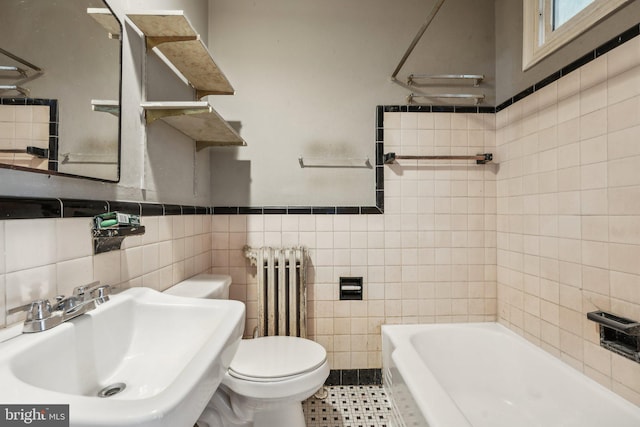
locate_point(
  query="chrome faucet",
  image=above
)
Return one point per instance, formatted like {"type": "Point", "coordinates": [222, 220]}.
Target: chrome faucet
{"type": "Point", "coordinates": [42, 315]}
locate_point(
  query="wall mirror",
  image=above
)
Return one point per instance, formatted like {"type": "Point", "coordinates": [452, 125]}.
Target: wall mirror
{"type": "Point", "coordinates": [60, 69]}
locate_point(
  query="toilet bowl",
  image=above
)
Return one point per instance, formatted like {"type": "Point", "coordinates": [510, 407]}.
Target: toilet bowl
{"type": "Point", "coordinates": [268, 377]}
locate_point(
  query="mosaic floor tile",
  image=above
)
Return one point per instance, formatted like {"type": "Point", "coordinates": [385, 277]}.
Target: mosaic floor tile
{"type": "Point", "coordinates": [349, 406]}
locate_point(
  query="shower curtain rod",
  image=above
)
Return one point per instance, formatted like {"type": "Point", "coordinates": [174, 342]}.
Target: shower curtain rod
{"type": "Point", "coordinates": [417, 38]}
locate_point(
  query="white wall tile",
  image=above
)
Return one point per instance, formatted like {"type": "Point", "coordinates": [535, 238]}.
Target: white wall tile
{"type": "Point", "coordinates": [165, 253]}
{"type": "Point", "coordinates": [593, 73]}
{"type": "Point", "coordinates": [152, 229]}
{"type": "Point", "coordinates": [582, 242]}
{"type": "Point", "coordinates": [73, 273]}
{"type": "Point", "coordinates": [29, 243]}
{"type": "Point", "coordinates": [624, 114]}
{"type": "Point", "coordinates": [131, 263]}
{"type": "Point", "coordinates": [73, 238]}
{"type": "Point", "coordinates": [621, 143]}
{"type": "Point", "coordinates": [623, 86]}
{"type": "Point", "coordinates": [106, 268]}
{"type": "Point", "coordinates": [150, 258]}
{"type": "Point", "coordinates": [392, 120]}
{"type": "Point", "coordinates": [189, 225]}
{"type": "Point", "coordinates": [623, 172]}
{"type": "Point", "coordinates": [623, 58]}
{"type": "Point", "coordinates": [25, 286]}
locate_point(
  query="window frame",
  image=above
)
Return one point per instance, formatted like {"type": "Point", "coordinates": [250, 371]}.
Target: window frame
{"type": "Point", "coordinates": [539, 40]}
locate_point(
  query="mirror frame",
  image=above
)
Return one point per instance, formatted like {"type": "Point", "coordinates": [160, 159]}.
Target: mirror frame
{"type": "Point", "coordinates": [50, 101]}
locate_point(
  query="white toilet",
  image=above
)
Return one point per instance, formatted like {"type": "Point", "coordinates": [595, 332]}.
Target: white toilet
{"type": "Point", "coordinates": [268, 378]}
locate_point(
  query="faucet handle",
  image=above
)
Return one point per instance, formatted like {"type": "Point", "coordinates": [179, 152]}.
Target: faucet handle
{"type": "Point", "coordinates": [39, 310]}
{"type": "Point", "coordinates": [35, 309]}
{"type": "Point", "coordinates": [101, 293]}
{"type": "Point", "coordinates": [82, 292]}
{"type": "Point", "coordinates": [40, 317]}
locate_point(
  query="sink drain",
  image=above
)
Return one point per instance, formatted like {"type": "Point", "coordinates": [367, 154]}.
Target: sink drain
{"type": "Point", "coordinates": [112, 390]}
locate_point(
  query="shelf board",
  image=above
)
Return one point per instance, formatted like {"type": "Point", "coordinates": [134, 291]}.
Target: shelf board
{"type": "Point", "coordinates": [106, 106]}
{"type": "Point", "coordinates": [170, 34]}
{"type": "Point", "coordinates": [198, 120]}
{"type": "Point", "coordinates": [193, 60]}
{"type": "Point", "coordinates": [105, 18]}
{"type": "Point", "coordinates": [163, 26]}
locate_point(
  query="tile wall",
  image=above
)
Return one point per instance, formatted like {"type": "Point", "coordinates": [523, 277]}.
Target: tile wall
{"type": "Point", "coordinates": [22, 126]}
{"type": "Point", "coordinates": [429, 258]}
{"type": "Point", "coordinates": [568, 205]}
{"type": "Point", "coordinates": [548, 232]}
{"type": "Point", "coordinates": [42, 258]}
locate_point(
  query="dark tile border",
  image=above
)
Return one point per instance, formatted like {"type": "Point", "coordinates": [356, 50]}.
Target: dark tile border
{"type": "Point", "coordinates": [34, 207]}
{"type": "Point", "coordinates": [151, 209]}
{"type": "Point", "coordinates": [584, 59]}
{"type": "Point", "coordinates": [172, 209]}
{"type": "Point", "coordinates": [29, 207]}
{"type": "Point", "coordinates": [354, 377]}
{"type": "Point", "coordinates": [83, 208]}
{"type": "Point", "coordinates": [379, 170]}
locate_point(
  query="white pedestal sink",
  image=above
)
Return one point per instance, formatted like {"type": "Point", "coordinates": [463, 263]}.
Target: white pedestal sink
{"type": "Point", "coordinates": [169, 352]}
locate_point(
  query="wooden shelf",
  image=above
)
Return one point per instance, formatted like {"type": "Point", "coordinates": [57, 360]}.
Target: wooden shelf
{"type": "Point", "coordinates": [170, 35]}
{"type": "Point", "coordinates": [106, 106]}
{"type": "Point", "coordinates": [163, 26]}
{"type": "Point", "coordinates": [105, 18]}
{"type": "Point", "coordinates": [198, 120]}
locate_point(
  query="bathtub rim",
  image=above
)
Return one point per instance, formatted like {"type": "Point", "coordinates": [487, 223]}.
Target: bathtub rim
{"type": "Point", "coordinates": [400, 339]}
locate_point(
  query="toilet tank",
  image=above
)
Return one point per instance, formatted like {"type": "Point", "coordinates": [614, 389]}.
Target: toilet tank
{"type": "Point", "coordinates": [210, 286]}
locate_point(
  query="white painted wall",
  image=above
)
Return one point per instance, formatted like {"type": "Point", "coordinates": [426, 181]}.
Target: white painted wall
{"type": "Point", "coordinates": [308, 77]}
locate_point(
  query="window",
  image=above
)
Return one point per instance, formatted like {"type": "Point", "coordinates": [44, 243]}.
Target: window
{"type": "Point", "coordinates": [563, 10]}
{"type": "Point", "coordinates": [550, 24]}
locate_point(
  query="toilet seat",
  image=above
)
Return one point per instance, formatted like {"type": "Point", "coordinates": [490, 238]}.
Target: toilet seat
{"type": "Point", "coordinates": [276, 358]}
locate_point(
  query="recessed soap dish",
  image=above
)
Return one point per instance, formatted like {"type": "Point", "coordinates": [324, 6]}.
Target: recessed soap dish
{"type": "Point", "coordinates": [118, 226]}
{"type": "Point", "coordinates": [618, 334]}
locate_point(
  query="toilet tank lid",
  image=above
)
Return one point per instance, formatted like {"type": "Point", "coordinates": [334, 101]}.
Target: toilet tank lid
{"type": "Point", "coordinates": [202, 286]}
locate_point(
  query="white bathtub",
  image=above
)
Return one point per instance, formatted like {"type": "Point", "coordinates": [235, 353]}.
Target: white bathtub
{"type": "Point", "coordinates": [484, 375]}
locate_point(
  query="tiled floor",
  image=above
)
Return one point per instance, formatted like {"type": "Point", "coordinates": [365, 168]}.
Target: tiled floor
{"type": "Point", "coordinates": [349, 406]}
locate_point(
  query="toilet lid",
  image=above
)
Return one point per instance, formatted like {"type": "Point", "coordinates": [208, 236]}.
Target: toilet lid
{"type": "Point", "coordinates": [268, 358]}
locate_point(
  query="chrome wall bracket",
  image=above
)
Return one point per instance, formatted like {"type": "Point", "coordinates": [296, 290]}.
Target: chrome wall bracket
{"type": "Point", "coordinates": [110, 239]}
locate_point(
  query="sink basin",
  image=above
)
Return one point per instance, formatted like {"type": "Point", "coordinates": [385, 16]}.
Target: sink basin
{"type": "Point", "coordinates": [157, 359]}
